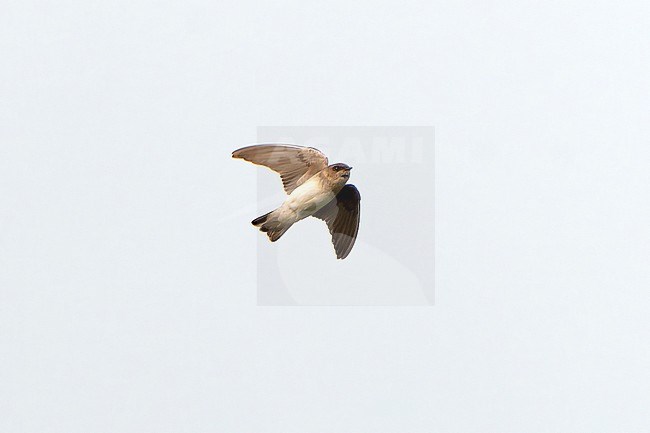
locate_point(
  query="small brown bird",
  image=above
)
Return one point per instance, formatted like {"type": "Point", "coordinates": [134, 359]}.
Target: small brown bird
{"type": "Point", "coordinates": [315, 189]}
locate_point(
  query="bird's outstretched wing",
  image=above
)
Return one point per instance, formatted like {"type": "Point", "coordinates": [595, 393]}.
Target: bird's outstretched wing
{"type": "Point", "coordinates": [295, 164]}
{"type": "Point", "coordinates": [342, 216]}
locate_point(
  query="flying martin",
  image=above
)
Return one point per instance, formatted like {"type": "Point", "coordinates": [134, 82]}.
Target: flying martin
{"type": "Point", "coordinates": [314, 188]}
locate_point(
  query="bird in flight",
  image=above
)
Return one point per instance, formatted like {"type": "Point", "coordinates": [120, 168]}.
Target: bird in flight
{"type": "Point", "coordinates": [314, 188]}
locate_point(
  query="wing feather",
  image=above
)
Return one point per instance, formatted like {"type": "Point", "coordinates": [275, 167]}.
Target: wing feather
{"type": "Point", "coordinates": [342, 216]}
{"type": "Point", "coordinates": [295, 164]}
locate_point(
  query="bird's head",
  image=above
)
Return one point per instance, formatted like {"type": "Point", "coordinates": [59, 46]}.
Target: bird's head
{"type": "Point", "coordinates": [339, 173]}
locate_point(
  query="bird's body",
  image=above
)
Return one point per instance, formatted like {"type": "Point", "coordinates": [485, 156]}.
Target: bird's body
{"type": "Point", "coordinates": [306, 199]}
{"type": "Point", "coordinates": [314, 188]}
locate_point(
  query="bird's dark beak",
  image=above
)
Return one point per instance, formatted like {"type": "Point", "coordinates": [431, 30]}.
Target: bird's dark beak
{"type": "Point", "coordinates": [350, 168]}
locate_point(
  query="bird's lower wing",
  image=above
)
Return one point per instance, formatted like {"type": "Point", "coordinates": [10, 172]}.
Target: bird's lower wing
{"type": "Point", "coordinates": [342, 216]}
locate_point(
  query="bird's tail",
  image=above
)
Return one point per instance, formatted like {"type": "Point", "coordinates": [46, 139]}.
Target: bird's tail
{"type": "Point", "coordinates": [271, 225]}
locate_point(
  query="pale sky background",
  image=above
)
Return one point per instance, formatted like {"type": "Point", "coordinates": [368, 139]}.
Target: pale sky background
{"type": "Point", "coordinates": [128, 304]}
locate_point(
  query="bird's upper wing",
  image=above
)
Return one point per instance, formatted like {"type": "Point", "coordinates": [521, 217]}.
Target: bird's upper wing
{"type": "Point", "coordinates": [342, 216]}
{"type": "Point", "coordinates": [295, 164]}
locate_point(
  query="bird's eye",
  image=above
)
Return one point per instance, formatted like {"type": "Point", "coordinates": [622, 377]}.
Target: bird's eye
{"type": "Point", "coordinates": [336, 168]}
